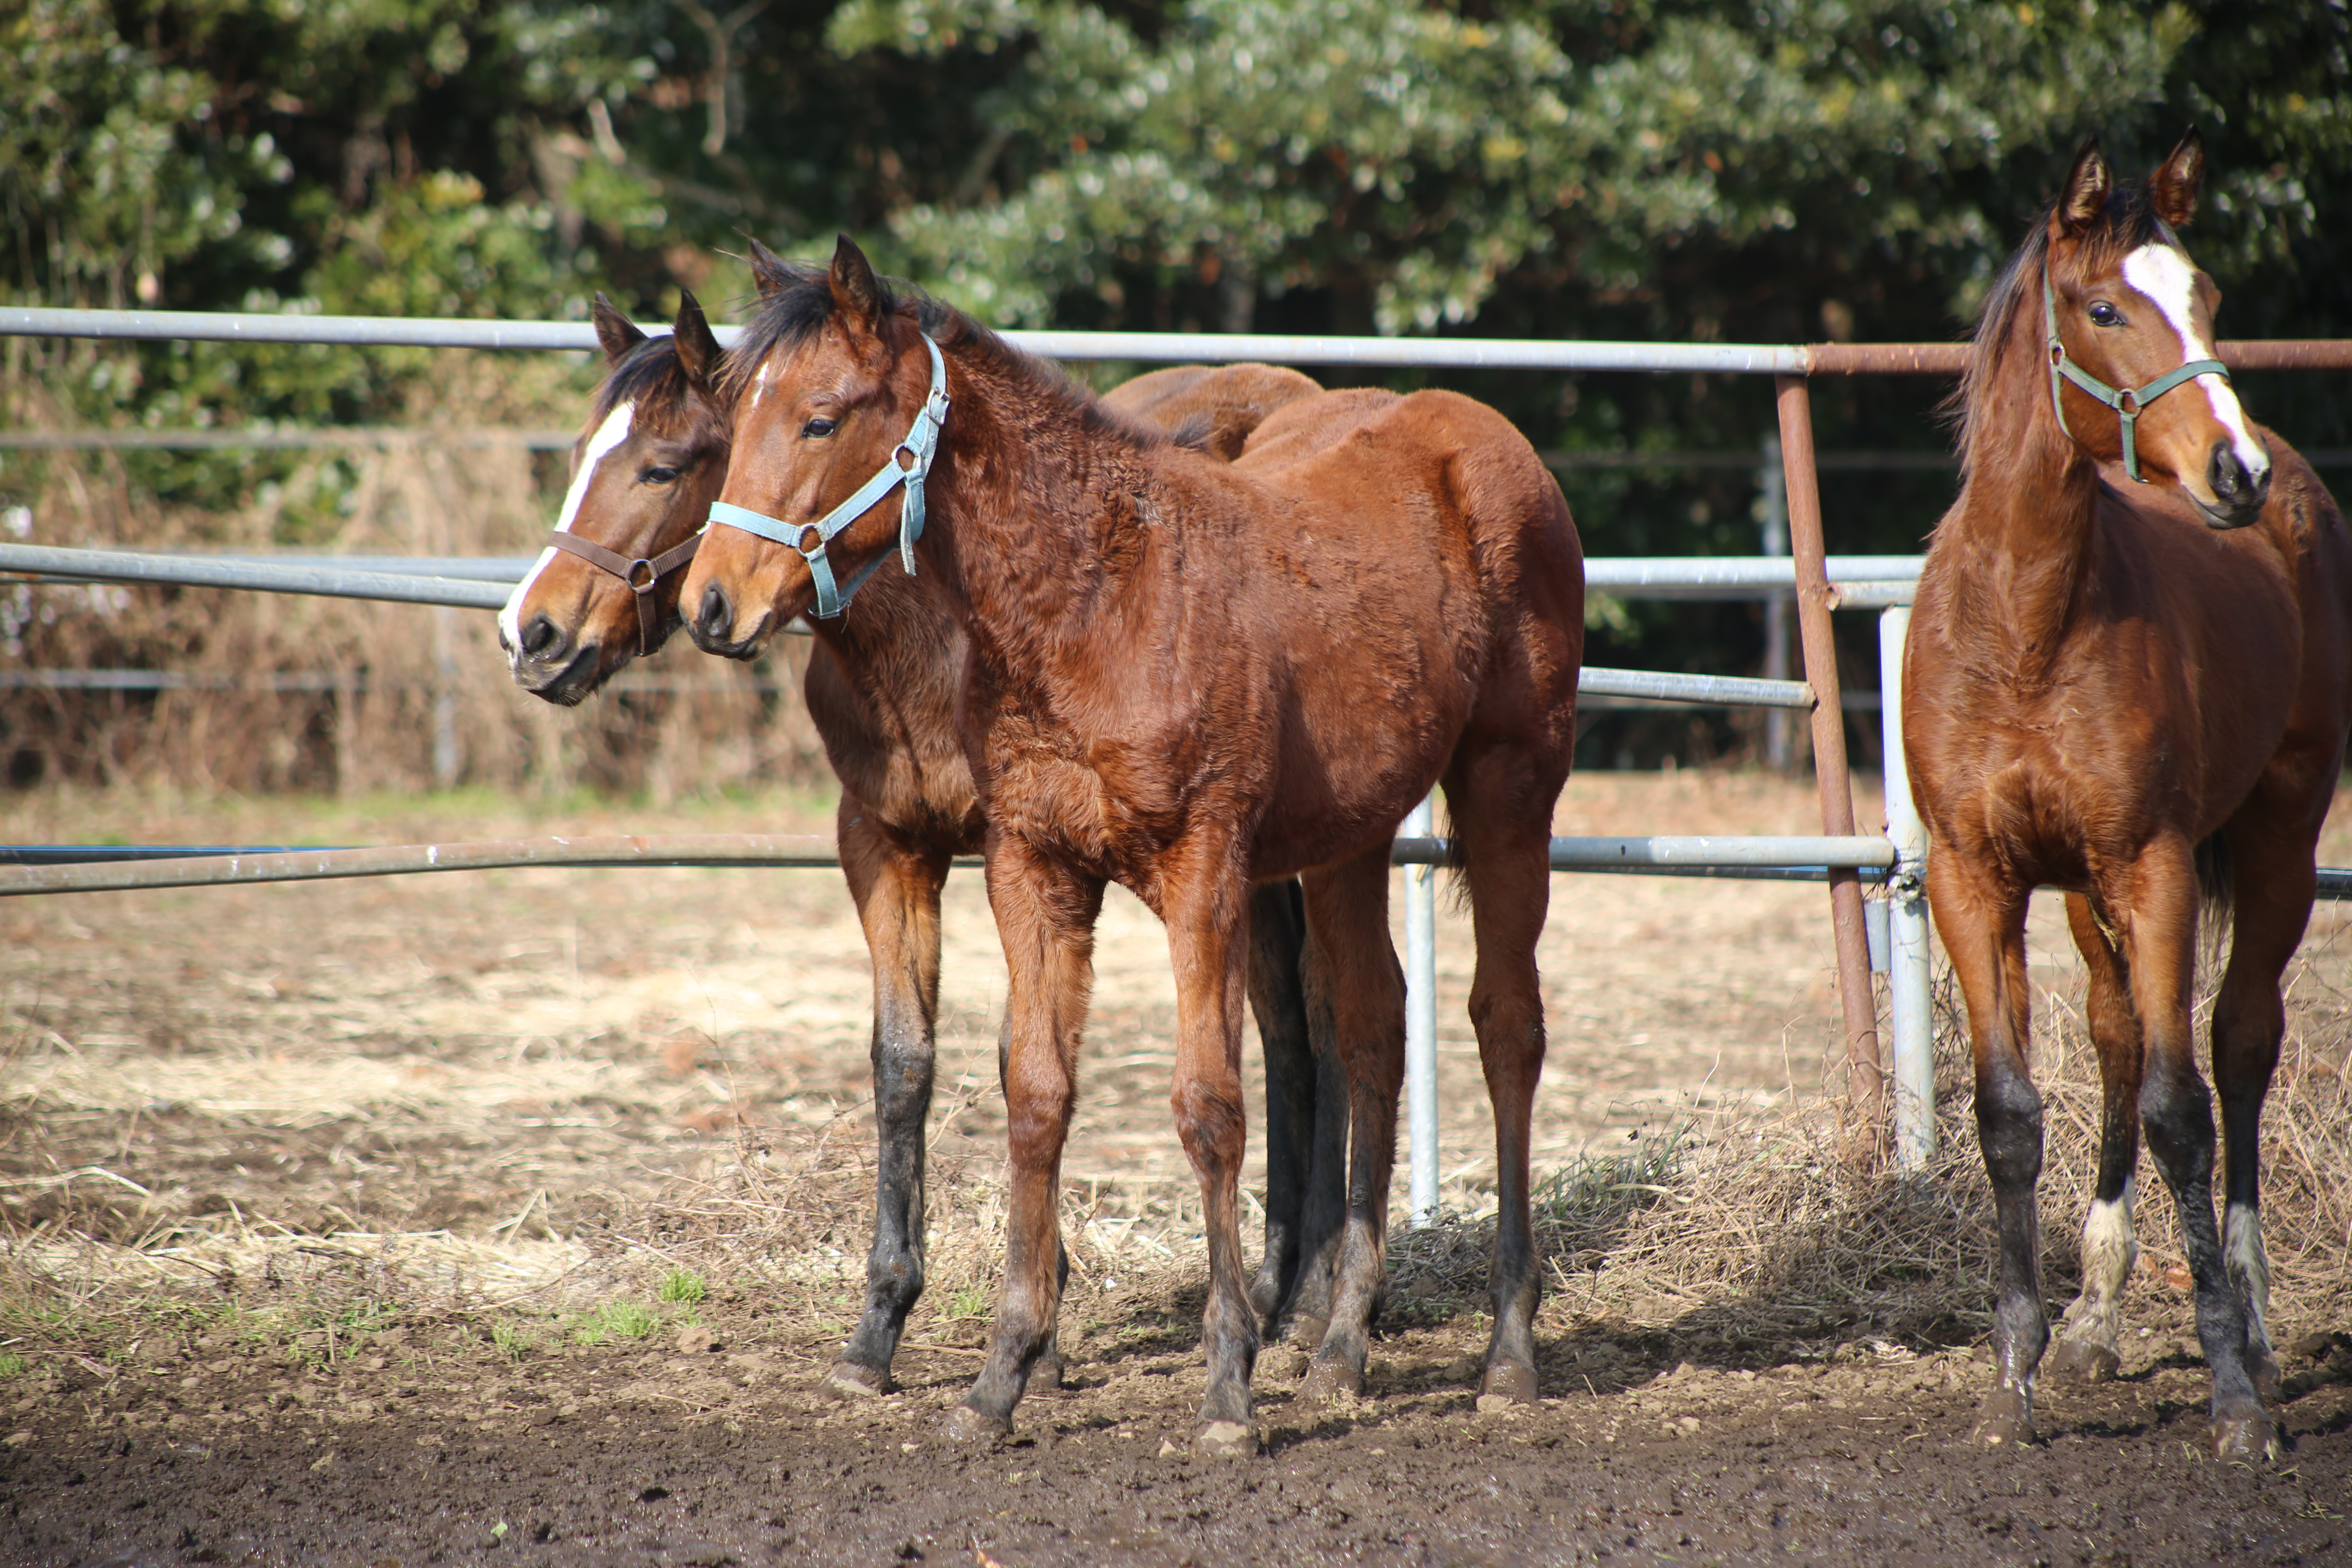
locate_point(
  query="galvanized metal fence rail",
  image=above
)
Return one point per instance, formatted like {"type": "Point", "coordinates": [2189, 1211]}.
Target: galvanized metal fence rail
{"type": "Point", "coordinates": [1788, 365]}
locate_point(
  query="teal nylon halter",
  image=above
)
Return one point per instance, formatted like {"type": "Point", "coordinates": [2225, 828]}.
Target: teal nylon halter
{"type": "Point", "coordinates": [2129, 403]}
{"type": "Point", "coordinates": [922, 443]}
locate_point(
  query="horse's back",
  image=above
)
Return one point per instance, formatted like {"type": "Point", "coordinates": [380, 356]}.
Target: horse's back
{"type": "Point", "coordinates": [1363, 444]}
{"type": "Point", "coordinates": [1217, 408]}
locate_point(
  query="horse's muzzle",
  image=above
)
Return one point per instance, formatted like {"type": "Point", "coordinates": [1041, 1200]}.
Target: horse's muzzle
{"type": "Point", "coordinates": [2238, 495]}
{"type": "Point", "coordinates": [548, 666]}
{"type": "Point", "coordinates": [713, 627]}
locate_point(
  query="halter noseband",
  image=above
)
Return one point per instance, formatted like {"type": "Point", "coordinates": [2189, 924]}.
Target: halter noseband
{"type": "Point", "coordinates": [643, 576]}
{"type": "Point", "coordinates": [2129, 403]}
{"type": "Point", "coordinates": [922, 443]}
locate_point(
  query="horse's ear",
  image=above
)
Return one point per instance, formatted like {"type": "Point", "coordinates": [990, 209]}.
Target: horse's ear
{"type": "Point", "coordinates": [2173, 187]}
{"type": "Point", "coordinates": [857, 292]}
{"type": "Point", "coordinates": [768, 270]}
{"type": "Point", "coordinates": [615, 332]}
{"type": "Point", "coordinates": [698, 349]}
{"type": "Point", "coordinates": [2085, 193]}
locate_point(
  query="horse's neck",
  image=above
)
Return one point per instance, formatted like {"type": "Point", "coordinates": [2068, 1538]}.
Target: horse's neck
{"type": "Point", "coordinates": [2021, 537]}
{"type": "Point", "coordinates": [1028, 521]}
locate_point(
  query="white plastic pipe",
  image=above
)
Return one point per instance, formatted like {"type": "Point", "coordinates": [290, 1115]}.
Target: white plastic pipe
{"type": "Point", "coordinates": [1420, 1019]}
{"type": "Point", "coordinates": [1911, 1008]}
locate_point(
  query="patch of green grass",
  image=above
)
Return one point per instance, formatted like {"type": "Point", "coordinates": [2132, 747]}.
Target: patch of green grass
{"type": "Point", "coordinates": [971, 1301]}
{"type": "Point", "coordinates": [682, 1286]}
{"type": "Point", "coordinates": [365, 1317]}
{"type": "Point", "coordinates": [630, 1319]}
{"type": "Point", "coordinates": [1602, 1190]}
{"type": "Point", "coordinates": [514, 1342]}
{"type": "Point", "coordinates": [614, 1320]}
{"type": "Point", "coordinates": [12, 1365]}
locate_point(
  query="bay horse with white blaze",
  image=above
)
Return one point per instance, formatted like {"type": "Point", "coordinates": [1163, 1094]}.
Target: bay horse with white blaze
{"type": "Point", "coordinates": [2112, 677]}
{"type": "Point", "coordinates": [1190, 677]}
{"type": "Point", "coordinates": [880, 687]}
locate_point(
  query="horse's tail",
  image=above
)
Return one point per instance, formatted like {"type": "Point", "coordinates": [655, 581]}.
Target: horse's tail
{"type": "Point", "coordinates": [2217, 897]}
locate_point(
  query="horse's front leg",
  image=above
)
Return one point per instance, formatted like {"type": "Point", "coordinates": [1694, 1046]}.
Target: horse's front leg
{"type": "Point", "coordinates": [1206, 910]}
{"type": "Point", "coordinates": [1982, 925]}
{"type": "Point", "coordinates": [895, 882]}
{"type": "Point", "coordinates": [1046, 915]}
{"type": "Point", "coordinates": [2089, 1343]}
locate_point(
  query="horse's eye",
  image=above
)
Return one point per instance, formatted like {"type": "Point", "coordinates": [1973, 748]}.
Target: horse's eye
{"type": "Point", "coordinates": [818, 427]}
{"type": "Point", "coordinates": [656, 476]}
{"type": "Point", "coordinates": [2105, 315]}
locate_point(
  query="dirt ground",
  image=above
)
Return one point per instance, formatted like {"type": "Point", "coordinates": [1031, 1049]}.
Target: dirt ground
{"type": "Point", "coordinates": [517, 1215]}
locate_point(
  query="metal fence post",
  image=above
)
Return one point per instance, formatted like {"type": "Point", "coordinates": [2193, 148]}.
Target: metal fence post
{"type": "Point", "coordinates": [1779, 729]}
{"type": "Point", "coordinates": [1865, 1088]}
{"type": "Point", "coordinates": [1910, 1009]}
{"type": "Point", "coordinates": [1421, 1018]}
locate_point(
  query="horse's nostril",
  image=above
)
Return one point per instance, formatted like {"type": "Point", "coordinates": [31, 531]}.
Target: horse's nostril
{"type": "Point", "coordinates": [540, 638]}
{"type": "Point", "coordinates": [717, 615]}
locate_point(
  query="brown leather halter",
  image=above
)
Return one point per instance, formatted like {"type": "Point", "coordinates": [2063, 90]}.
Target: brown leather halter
{"type": "Point", "coordinates": [643, 576]}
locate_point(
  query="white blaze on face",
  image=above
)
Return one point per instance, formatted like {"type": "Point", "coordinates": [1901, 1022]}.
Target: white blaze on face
{"type": "Point", "coordinates": [760, 384]}
{"type": "Point", "coordinates": [2163, 274]}
{"type": "Point", "coordinates": [609, 434]}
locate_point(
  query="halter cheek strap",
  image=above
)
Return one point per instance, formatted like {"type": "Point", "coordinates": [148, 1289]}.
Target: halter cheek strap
{"type": "Point", "coordinates": [643, 576]}
{"type": "Point", "coordinates": [2129, 403]}
{"type": "Point", "coordinates": [922, 443]}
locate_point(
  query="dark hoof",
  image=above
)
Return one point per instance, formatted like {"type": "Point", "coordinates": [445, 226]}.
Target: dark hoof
{"type": "Point", "coordinates": [1226, 1440]}
{"type": "Point", "coordinates": [1307, 1330]}
{"type": "Point", "coordinates": [2006, 1421]}
{"type": "Point", "coordinates": [1046, 1374]}
{"type": "Point", "coordinates": [2082, 1361]}
{"type": "Point", "coordinates": [853, 1380]}
{"type": "Point", "coordinates": [965, 1425]}
{"type": "Point", "coordinates": [2248, 1439]}
{"type": "Point", "coordinates": [1332, 1382]}
{"type": "Point", "coordinates": [1507, 1383]}
{"type": "Point", "coordinates": [2263, 1368]}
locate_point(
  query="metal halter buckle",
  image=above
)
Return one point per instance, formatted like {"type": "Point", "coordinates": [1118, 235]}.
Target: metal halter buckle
{"type": "Point", "coordinates": [653, 569]}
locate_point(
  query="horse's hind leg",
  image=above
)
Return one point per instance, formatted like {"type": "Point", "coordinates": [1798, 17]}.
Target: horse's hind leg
{"type": "Point", "coordinates": [2177, 1113]}
{"type": "Point", "coordinates": [1346, 910]}
{"type": "Point", "coordinates": [2271, 862]}
{"type": "Point", "coordinates": [1306, 1114]}
{"type": "Point", "coordinates": [2088, 1346]}
{"type": "Point", "coordinates": [895, 882]}
{"type": "Point", "coordinates": [1983, 928]}
{"type": "Point", "coordinates": [1503, 822]}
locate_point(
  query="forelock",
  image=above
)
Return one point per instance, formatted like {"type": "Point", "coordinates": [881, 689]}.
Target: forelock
{"type": "Point", "coordinates": [648, 375]}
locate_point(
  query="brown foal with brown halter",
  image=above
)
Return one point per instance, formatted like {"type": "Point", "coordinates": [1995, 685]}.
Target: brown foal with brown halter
{"type": "Point", "coordinates": [2111, 675]}
{"type": "Point", "coordinates": [881, 687]}
{"type": "Point", "coordinates": [1190, 677]}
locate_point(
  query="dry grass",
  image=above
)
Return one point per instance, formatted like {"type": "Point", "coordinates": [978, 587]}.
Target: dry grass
{"type": "Point", "coordinates": [1729, 1223]}
{"type": "Point", "coordinates": [384, 697]}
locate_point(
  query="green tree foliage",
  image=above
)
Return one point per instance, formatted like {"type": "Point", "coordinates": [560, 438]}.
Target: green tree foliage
{"type": "Point", "coordinates": [1756, 170]}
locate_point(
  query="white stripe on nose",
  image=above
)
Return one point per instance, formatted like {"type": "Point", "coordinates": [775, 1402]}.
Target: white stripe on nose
{"type": "Point", "coordinates": [609, 434]}
{"type": "Point", "coordinates": [2164, 274]}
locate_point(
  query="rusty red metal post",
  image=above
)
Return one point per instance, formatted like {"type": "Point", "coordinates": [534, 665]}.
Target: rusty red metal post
{"type": "Point", "coordinates": [1865, 1083]}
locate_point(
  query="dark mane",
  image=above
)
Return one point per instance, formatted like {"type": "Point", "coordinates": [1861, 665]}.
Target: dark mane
{"type": "Point", "coordinates": [648, 375]}
{"type": "Point", "coordinates": [789, 316]}
{"type": "Point", "coordinates": [2127, 222]}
